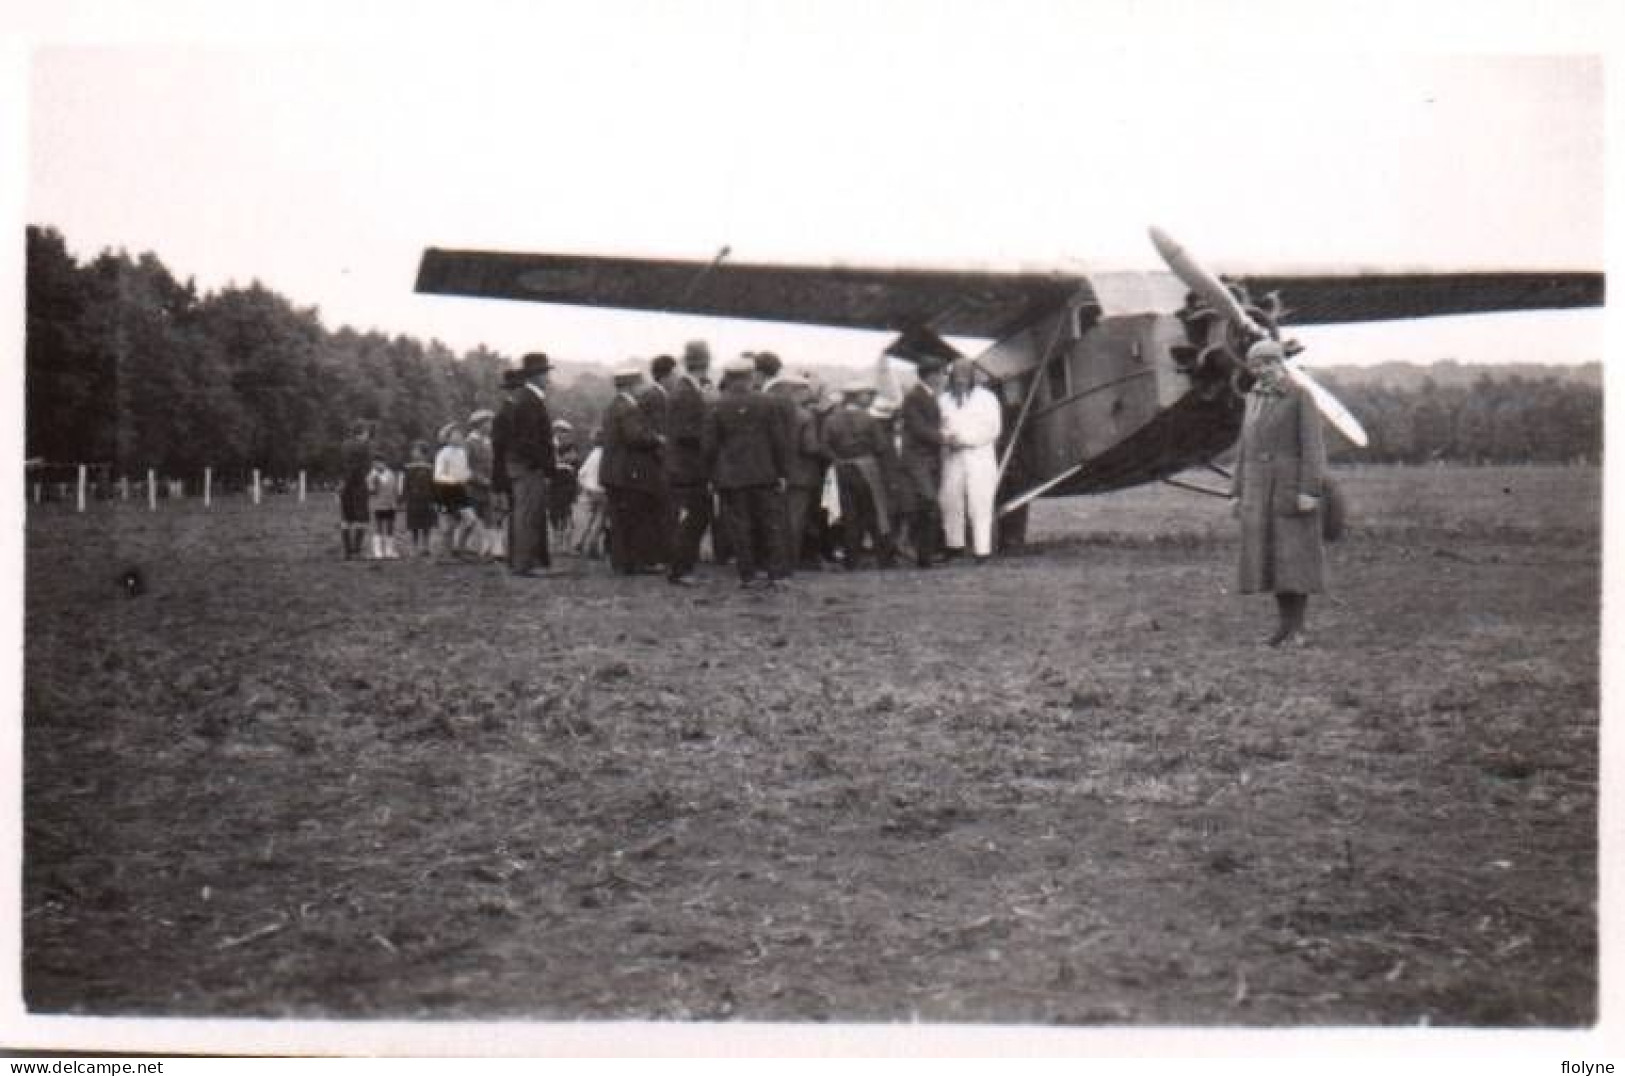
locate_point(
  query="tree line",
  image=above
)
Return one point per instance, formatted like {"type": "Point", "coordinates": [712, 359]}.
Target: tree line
{"type": "Point", "coordinates": [130, 367]}
{"type": "Point", "coordinates": [1512, 419]}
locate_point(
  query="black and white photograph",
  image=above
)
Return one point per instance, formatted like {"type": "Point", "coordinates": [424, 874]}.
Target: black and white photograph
{"type": "Point", "coordinates": [720, 527]}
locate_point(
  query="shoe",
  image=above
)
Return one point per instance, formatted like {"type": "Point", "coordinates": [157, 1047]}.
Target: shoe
{"type": "Point", "coordinates": [977, 562]}
{"type": "Point", "coordinates": [682, 581]}
{"type": "Point", "coordinates": [753, 584]}
{"type": "Point", "coordinates": [779, 584]}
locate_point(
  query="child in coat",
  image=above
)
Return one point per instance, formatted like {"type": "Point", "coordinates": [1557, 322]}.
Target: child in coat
{"type": "Point", "coordinates": [417, 489]}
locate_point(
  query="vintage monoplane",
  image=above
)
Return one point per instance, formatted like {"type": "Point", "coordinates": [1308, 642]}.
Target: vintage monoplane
{"type": "Point", "coordinates": [1108, 379]}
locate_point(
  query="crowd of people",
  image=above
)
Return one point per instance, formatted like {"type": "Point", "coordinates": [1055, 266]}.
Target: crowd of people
{"type": "Point", "coordinates": [782, 474]}
{"type": "Point", "coordinates": [786, 476]}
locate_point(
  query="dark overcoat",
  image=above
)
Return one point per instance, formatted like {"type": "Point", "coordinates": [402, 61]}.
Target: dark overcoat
{"type": "Point", "coordinates": [631, 448]}
{"type": "Point", "coordinates": [808, 460]}
{"type": "Point", "coordinates": [685, 434]}
{"type": "Point", "coordinates": [1282, 454]}
{"type": "Point", "coordinates": [921, 454]}
{"type": "Point", "coordinates": [745, 442]}
{"type": "Point", "coordinates": [528, 435]}
{"type": "Point", "coordinates": [501, 427]}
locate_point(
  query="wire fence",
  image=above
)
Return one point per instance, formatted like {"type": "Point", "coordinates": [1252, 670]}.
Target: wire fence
{"type": "Point", "coordinates": [78, 487]}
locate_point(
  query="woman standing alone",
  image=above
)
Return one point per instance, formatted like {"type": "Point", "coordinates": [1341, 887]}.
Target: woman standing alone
{"type": "Point", "coordinates": [1280, 479]}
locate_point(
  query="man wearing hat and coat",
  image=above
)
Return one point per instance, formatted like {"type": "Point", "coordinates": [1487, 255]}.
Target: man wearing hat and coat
{"type": "Point", "coordinates": [687, 476]}
{"type": "Point", "coordinates": [805, 474]}
{"type": "Point", "coordinates": [921, 461]}
{"type": "Point", "coordinates": [656, 403]}
{"type": "Point", "coordinates": [632, 476]}
{"type": "Point", "coordinates": [528, 462]}
{"type": "Point", "coordinates": [748, 454]}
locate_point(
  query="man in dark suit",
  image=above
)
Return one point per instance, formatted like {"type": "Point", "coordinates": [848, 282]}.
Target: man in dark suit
{"type": "Point", "coordinates": [771, 382]}
{"type": "Point", "coordinates": [779, 388]}
{"type": "Point", "coordinates": [805, 478]}
{"type": "Point", "coordinates": [528, 463]}
{"type": "Point", "coordinates": [921, 461]}
{"type": "Point", "coordinates": [748, 454]}
{"type": "Point", "coordinates": [656, 403]}
{"type": "Point", "coordinates": [632, 476]}
{"type": "Point", "coordinates": [686, 472]}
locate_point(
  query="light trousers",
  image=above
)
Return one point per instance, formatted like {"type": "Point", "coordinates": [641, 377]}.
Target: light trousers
{"type": "Point", "coordinates": [970, 479]}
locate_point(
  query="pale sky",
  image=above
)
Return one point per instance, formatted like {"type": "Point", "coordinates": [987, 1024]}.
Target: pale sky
{"type": "Point", "coordinates": [323, 164]}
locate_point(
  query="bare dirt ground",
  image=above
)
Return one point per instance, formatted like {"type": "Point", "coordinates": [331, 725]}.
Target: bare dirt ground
{"type": "Point", "coordinates": [1068, 788]}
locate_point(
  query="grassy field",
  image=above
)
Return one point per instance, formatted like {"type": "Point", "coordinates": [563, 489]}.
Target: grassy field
{"type": "Point", "coordinates": [1068, 788]}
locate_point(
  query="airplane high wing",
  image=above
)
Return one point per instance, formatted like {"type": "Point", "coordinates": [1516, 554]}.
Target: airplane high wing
{"type": "Point", "coordinates": [951, 302]}
{"type": "Point", "coordinates": [1108, 379]}
{"type": "Point", "coordinates": [1323, 299]}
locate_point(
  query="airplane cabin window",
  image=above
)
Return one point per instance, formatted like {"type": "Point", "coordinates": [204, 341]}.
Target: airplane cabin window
{"type": "Point", "coordinates": [1058, 388]}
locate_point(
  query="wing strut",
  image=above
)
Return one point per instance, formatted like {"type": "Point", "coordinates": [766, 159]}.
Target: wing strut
{"type": "Point", "coordinates": [1039, 490]}
{"type": "Point", "coordinates": [1032, 394]}
{"type": "Point", "coordinates": [1195, 488]}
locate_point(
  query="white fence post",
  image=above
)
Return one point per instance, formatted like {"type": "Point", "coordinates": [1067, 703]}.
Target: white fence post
{"type": "Point", "coordinates": [301, 487]}
{"type": "Point", "coordinates": [80, 499]}
{"type": "Point", "coordinates": [124, 487]}
{"type": "Point", "coordinates": [152, 490]}
{"type": "Point", "coordinates": [208, 486]}
{"type": "Point", "coordinates": [256, 485]}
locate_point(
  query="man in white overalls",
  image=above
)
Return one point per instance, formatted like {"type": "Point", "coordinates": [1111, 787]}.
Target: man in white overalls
{"type": "Point", "coordinates": [971, 421]}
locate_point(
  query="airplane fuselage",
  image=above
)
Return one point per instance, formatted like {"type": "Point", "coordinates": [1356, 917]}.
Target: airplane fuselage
{"type": "Point", "coordinates": [1106, 402]}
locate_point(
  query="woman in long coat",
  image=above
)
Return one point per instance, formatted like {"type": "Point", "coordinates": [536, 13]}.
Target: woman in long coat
{"type": "Point", "coordinates": [1280, 477]}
